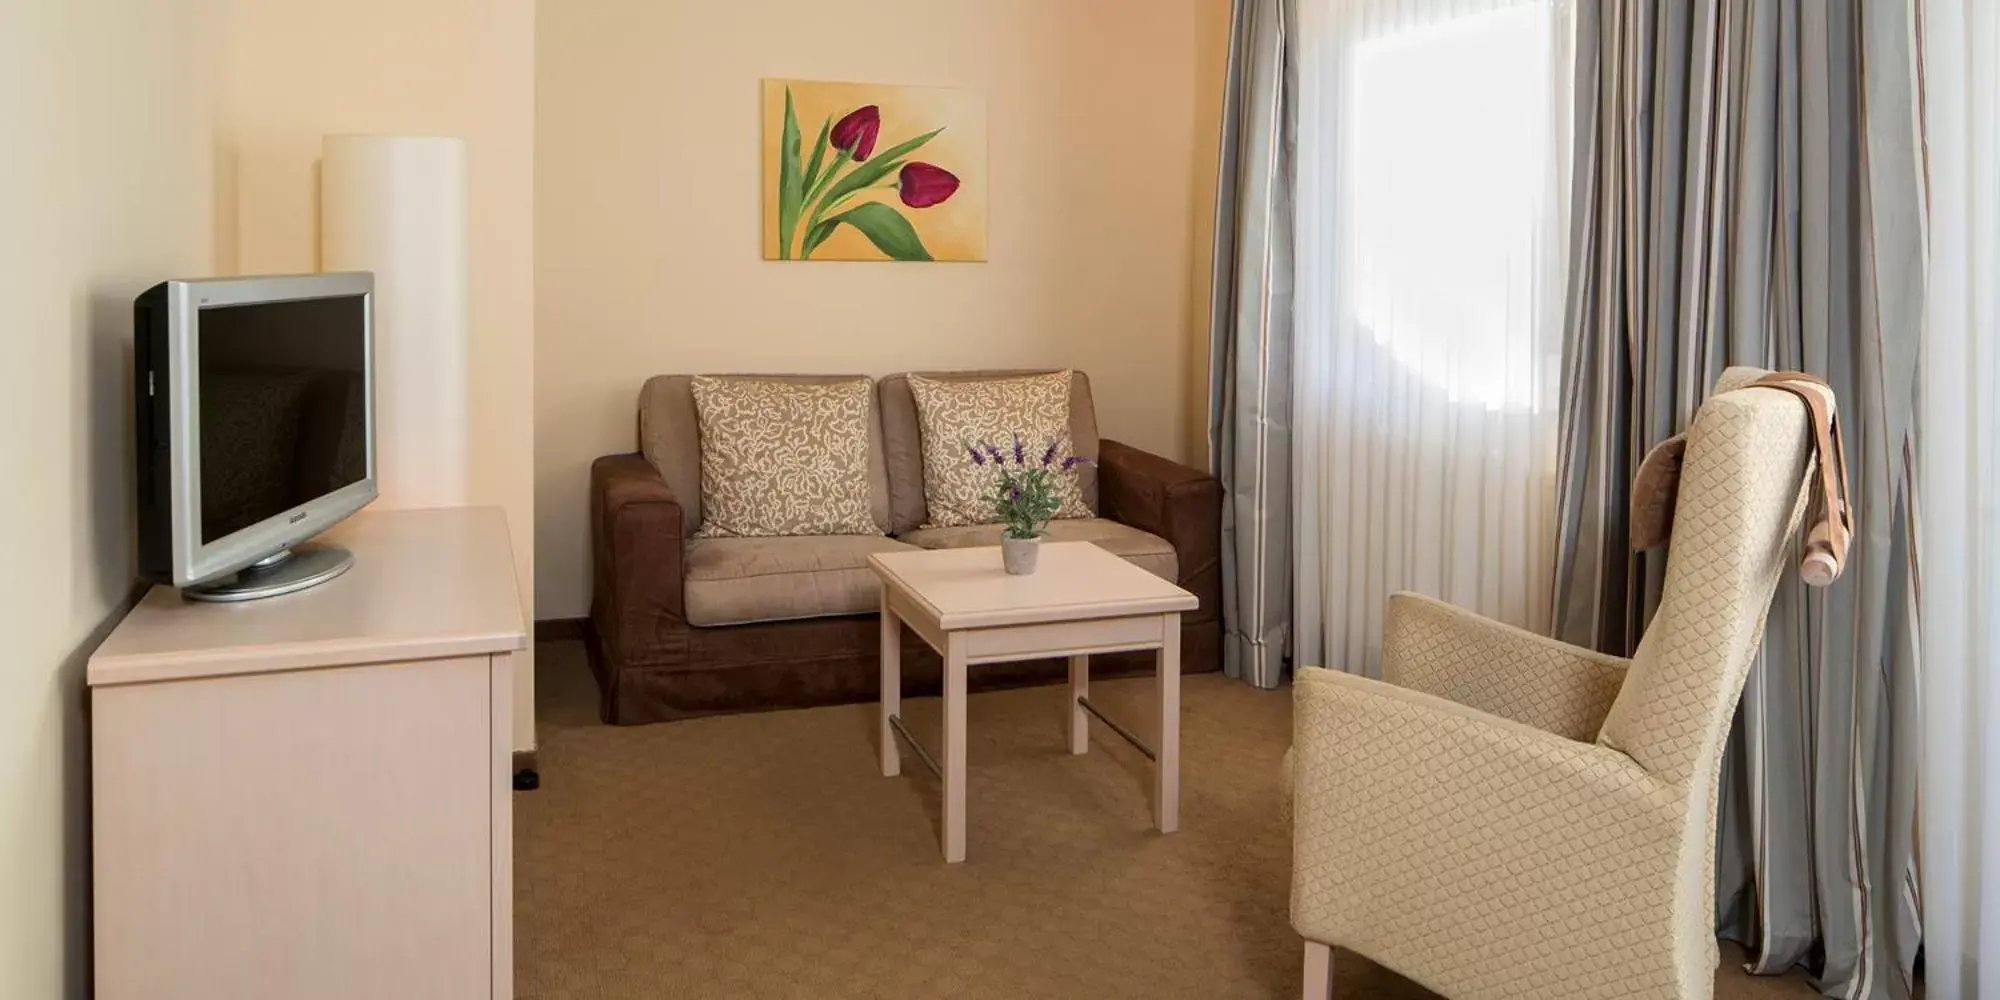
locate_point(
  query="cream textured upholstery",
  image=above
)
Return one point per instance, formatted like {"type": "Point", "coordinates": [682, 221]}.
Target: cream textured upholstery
{"type": "Point", "coordinates": [1430, 646]}
{"type": "Point", "coordinates": [1511, 817]}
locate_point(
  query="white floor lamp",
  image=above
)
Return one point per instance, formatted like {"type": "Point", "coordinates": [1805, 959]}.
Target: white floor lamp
{"type": "Point", "coordinates": [396, 205]}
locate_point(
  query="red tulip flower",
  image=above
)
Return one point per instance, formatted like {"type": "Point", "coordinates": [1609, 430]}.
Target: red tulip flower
{"type": "Point", "coordinates": [922, 185]}
{"type": "Point", "coordinates": [857, 132]}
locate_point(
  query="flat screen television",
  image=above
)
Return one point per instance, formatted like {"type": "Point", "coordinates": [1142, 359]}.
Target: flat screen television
{"type": "Point", "coordinates": [254, 429]}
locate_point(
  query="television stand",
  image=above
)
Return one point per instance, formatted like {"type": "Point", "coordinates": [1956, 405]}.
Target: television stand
{"type": "Point", "coordinates": [286, 571]}
{"type": "Point", "coordinates": [309, 799]}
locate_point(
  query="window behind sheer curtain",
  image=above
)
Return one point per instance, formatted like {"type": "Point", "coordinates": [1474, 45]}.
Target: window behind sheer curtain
{"type": "Point", "coordinates": [1432, 147]}
{"type": "Point", "coordinates": [1958, 497]}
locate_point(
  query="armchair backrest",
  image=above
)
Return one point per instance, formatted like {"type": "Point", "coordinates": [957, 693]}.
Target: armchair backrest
{"type": "Point", "coordinates": [1742, 495]}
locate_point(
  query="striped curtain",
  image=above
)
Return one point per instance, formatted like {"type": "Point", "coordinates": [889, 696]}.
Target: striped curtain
{"type": "Point", "coordinates": [1250, 344]}
{"type": "Point", "coordinates": [1748, 190]}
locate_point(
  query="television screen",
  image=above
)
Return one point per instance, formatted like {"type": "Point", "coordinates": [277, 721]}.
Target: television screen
{"type": "Point", "coordinates": [282, 404]}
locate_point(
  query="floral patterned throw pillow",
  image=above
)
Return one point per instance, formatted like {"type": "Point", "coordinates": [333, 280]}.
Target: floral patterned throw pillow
{"type": "Point", "coordinates": [784, 458]}
{"type": "Point", "coordinates": [956, 416]}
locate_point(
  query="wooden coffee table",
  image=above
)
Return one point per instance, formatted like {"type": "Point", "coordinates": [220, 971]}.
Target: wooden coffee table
{"type": "Point", "coordinates": [1082, 600]}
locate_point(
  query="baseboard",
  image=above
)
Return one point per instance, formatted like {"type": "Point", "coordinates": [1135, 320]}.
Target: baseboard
{"type": "Point", "coordinates": [555, 629]}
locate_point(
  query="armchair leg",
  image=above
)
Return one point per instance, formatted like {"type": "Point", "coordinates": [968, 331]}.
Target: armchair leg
{"type": "Point", "coordinates": [1319, 971]}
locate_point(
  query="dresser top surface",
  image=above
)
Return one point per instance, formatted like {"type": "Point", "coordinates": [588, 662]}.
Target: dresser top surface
{"type": "Point", "coordinates": [425, 584]}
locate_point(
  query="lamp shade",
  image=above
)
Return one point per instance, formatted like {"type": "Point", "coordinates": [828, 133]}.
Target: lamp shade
{"type": "Point", "coordinates": [396, 206]}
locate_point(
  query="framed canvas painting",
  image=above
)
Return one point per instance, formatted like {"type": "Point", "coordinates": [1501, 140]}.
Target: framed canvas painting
{"type": "Point", "coordinates": [862, 171]}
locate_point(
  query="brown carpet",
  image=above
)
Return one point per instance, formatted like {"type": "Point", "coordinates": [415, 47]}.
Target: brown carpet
{"type": "Point", "coordinates": [763, 856]}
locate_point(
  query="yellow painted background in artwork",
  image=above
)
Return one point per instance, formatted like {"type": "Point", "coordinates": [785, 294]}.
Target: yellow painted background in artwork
{"type": "Point", "coordinates": [954, 230]}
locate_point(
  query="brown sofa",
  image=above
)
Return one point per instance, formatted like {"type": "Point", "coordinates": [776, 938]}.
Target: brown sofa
{"type": "Point", "coordinates": [682, 627]}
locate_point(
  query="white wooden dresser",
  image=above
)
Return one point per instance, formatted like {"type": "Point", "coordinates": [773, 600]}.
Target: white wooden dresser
{"type": "Point", "coordinates": [308, 796]}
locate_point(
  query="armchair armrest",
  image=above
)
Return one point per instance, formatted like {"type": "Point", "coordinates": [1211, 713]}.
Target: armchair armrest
{"type": "Point", "coordinates": [1433, 647]}
{"type": "Point", "coordinates": [637, 545]}
{"type": "Point", "coordinates": [1418, 820]}
{"type": "Point", "coordinates": [1173, 501]}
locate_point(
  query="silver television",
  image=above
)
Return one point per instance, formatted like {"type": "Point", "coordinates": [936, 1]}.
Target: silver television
{"type": "Point", "coordinates": [254, 420]}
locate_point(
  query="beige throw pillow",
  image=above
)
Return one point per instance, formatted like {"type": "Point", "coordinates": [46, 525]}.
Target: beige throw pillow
{"type": "Point", "coordinates": [783, 458]}
{"type": "Point", "coordinates": [956, 415]}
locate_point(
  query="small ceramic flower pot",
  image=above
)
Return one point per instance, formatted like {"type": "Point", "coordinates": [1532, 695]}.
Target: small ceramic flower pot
{"type": "Point", "coordinates": [1019, 554]}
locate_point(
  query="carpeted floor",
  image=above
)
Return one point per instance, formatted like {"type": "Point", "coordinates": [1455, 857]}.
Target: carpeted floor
{"type": "Point", "coordinates": [763, 856]}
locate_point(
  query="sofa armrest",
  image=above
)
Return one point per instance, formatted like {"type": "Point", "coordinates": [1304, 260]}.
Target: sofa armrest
{"type": "Point", "coordinates": [637, 543]}
{"type": "Point", "coordinates": [1433, 647]}
{"type": "Point", "coordinates": [1173, 501]}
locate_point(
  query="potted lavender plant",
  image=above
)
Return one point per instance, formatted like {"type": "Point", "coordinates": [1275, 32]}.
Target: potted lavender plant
{"type": "Point", "coordinates": [1024, 496]}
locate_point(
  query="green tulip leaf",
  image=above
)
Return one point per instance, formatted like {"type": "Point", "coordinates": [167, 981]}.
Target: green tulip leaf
{"type": "Point", "coordinates": [876, 168]}
{"type": "Point", "coordinates": [817, 236]}
{"type": "Point", "coordinates": [886, 228]}
{"type": "Point", "coordinates": [811, 179]}
{"type": "Point", "coordinates": [791, 183]}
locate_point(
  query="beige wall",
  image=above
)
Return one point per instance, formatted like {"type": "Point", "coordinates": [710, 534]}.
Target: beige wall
{"type": "Point", "coordinates": [105, 115]}
{"type": "Point", "coordinates": [1211, 78]}
{"type": "Point", "coordinates": [647, 200]}
{"type": "Point", "coordinates": [298, 70]}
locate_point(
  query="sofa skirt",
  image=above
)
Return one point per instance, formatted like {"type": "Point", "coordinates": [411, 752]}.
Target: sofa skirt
{"type": "Point", "coordinates": [820, 661]}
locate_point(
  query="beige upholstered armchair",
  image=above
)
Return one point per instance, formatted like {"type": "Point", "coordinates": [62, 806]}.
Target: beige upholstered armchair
{"type": "Point", "coordinates": [1507, 816]}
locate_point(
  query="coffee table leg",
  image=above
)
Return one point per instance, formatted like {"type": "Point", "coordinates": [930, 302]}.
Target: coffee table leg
{"type": "Point", "coordinates": [892, 687]}
{"type": "Point", "coordinates": [954, 747]}
{"type": "Point", "coordinates": [1079, 689]}
{"type": "Point", "coordinates": [1167, 769]}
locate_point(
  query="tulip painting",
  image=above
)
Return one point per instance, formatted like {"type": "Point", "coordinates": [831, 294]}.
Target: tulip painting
{"type": "Point", "coordinates": [889, 173]}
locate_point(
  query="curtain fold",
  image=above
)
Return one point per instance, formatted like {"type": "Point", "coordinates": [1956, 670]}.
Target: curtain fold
{"type": "Point", "coordinates": [1959, 485]}
{"type": "Point", "coordinates": [1748, 191]}
{"type": "Point", "coordinates": [1250, 343]}
{"type": "Point", "coordinates": [1430, 242]}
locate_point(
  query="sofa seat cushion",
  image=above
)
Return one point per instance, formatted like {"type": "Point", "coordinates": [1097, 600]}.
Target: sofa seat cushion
{"type": "Point", "coordinates": [1146, 551]}
{"type": "Point", "coordinates": [731, 581]}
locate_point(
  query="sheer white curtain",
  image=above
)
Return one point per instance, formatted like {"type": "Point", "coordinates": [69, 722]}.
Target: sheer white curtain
{"type": "Point", "coordinates": [1959, 503]}
{"type": "Point", "coordinates": [1432, 161]}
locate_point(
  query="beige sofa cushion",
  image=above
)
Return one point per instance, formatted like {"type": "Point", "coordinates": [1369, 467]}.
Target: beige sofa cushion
{"type": "Point", "coordinates": [670, 438]}
{"type": "Point", "coordinates": [902, 439]}
{"type": "Point", "coordinates": [1026, 416]}
{"type": "Point", "coordinates": [731, 581]}
{"type": "Point", "coordinates": [784, 458]}
{"type": "Point", "coordinates": [1146, 551]}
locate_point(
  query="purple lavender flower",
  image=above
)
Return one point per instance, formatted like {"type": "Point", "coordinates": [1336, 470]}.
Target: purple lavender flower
{"type": "Point", "coordinates": [1049, 455]}
{"type": "Point", "coordinates": [1072, 462]}
{"type": "Point", "coordinates": [1014, 494]}
{"type": "Point", "coordinates": [977, 458]}
{"type": "Point", "coordinates": [993, 450]}
{"type": "Point", "coordinates": [1020, 451]}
